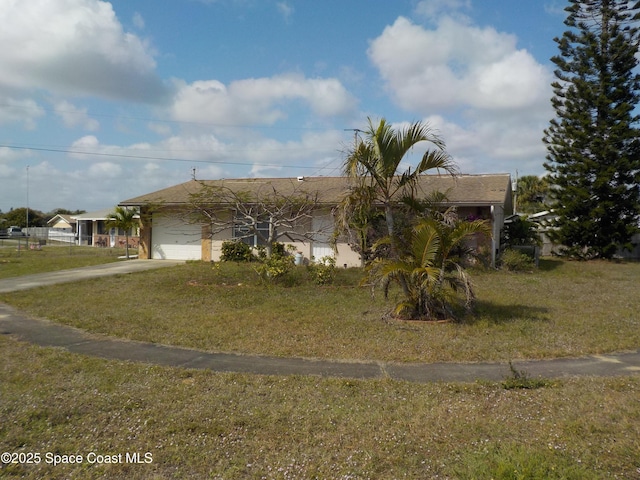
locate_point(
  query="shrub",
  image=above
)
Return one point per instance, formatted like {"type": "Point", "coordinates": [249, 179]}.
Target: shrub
{"type": "Point", "coordinates": [515, 261]}
{"type": "Point", "coordinates": [275, 267]}
{"type": "Point", "coordinates": [236, 251]}
{"type": "Point", "coordinates": [429, 271]}
{"type": "Point", "coordinates": [520, 231]}
{"type": "Point", "coordinates": [277, 249]}
{"type": "Point", "coordinates": [520, 379]}
{"type": "Point", "coordinates": [324, 271]}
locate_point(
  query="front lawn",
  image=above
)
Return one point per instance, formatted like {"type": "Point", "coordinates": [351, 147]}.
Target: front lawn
{"type": "Point", "coordinates": [563, 309]}
{"type": "Point", "coordinates": [199, 424]}
{"type": "Point", "coordinates": [15, 262]}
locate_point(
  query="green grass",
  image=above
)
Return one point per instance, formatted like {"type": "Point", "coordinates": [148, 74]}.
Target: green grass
{"type": "Point", "coordinates": [198, 424]}
{"type": "Point", "coordinates": [564, 309]}
{"type": "Point", "coordinates": [14, 262]}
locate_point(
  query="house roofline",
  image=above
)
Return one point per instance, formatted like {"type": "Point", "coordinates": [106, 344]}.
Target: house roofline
{"type": "Point", "coordinates": [334, 187]}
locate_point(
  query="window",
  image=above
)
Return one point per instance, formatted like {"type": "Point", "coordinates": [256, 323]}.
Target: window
{"type": "Point", "coordinates": [101, 227]}
{"type": "Point", "coordinates": [253, 234]}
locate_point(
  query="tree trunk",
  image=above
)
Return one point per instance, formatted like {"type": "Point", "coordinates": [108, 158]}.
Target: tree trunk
{"type": "Point", "coordinates": [388, 215]}
{"type": "Point", "coordinates": [271, 239]}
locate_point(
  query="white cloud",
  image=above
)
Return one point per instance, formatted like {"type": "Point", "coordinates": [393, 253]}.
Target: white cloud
{"type": "Point", "coordinates": [24, 111]}
{"type": "Point", "coordinates": [100, 181]}
{"type": "Point", "coordinates": [6, 170]}
{"type": "Point", "coordinates": [256, 154]}
{"type": "Point", "coordinates": [74, 47]}
{"type": "Point", "coordinates": [285, 10]}
{"type": "Point", "coordinates": [73, 116]}
{"type": "Point", "coordinates": [86, 143]}
{"type": "Point", "coordinates": [556, 7]}
{"type": "Point", "coordinates": [494, 144]}
{"type": "Point", "coordinates": [159, 128]}
{"type": "Point", "coordinates": [492, 97]}
{"type": "Point", "coordinates": [259, 101]}
{"type": "Point", "coordinates": [138, 21]}
{"type": "Point", "coordinates": [10, 155]}
{"type": "Point", "coordinates": [456, 65]}
{"type": "Point", "coordinates": [104, 170]}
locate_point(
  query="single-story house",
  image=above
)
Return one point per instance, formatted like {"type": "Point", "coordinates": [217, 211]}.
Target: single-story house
{"type": "Point", "coordinates": [92, 230]}
{"type": "Point", "coordinates": [169, 230]}
{"type": "Point", "coordinates": [62, 228]}
{"type": "Point", "coordinates": [62, 223]}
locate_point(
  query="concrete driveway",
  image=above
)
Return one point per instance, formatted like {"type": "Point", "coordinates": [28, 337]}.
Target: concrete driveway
{"type": "Point", "coordinates": [84, 273]}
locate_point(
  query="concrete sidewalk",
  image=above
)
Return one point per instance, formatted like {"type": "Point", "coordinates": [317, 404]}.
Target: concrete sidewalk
{"type": "Point", "coordinates": [77, 274]}
{"type": "Point", "coordinates": [47, 334]}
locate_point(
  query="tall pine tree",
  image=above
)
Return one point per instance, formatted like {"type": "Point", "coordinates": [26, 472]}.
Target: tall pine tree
{"type": "Point", "coordinates": [593, 143]}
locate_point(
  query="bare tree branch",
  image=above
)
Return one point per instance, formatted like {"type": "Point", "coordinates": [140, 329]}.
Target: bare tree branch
{"type": "Point", "coordinates": [263, 212]}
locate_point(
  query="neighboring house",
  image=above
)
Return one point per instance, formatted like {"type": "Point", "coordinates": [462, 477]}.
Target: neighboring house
{"type": "Point", "coordinates": [92, 230]}
{"type": "Point", "coordinates": [61, 228]}
{"type": "Point", "coordinates": [168, 230]}
{"type": "Point", "coordinates": [62, 223]}
{"type": "Point", "coordinates": [545, 221]}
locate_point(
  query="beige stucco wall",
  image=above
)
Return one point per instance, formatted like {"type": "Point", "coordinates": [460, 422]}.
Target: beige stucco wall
{"type": "Point", "coordinates": [211, 243]}
{"type": "Point", "coordinates": [344, 256]}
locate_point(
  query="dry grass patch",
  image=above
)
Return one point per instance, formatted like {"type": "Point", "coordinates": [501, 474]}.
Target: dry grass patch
{"type": "Point", "coordinates": [15, 262]}
{"type": "Point", "coordinates": [564, 309]}
{"type": "Point", "coordinates": [199, 424]}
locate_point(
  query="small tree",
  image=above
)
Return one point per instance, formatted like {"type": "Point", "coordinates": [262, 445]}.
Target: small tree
{"type": "Point", "coordinates": [360, 220]}
{"type": "Point", "coordinates": [284, 214]}
{"type": "Point", "coordinates": [520, 231]}
{"type": "Point", "coordinates": [124, 219]}
{"type": "Point", "coordinates": [431, 271]}
{"type": "Point", "coordinates": [376, 161]}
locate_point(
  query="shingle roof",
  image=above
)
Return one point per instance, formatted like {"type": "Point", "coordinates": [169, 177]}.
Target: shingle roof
{"type": "Point", "coordinates": [490, 189]}
{"type": "Point", "coordinates": [97, 215]}
{"type": "Point", "coordinates": [61, 216]}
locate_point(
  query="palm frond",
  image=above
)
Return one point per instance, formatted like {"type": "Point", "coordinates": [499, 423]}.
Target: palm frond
{"type": "Point", "coordinates": [437, 160]}
{"type": "Point", "coordinates": [425, 244]}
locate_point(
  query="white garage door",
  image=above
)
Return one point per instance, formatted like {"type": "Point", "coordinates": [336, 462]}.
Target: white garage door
{"type": "Point", "coordinates": [174, 239]}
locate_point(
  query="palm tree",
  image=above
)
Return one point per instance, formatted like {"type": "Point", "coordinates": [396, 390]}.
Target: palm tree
{"type": "Point", "coordinates": [123, 219]}
{"type": "Point", "coordinates": [377, 158]}
{"type": "Point", "coordinates": [532, 194]}
{"type": "Point", "coordinates": [431, 271]}
{"type": "Point", "coordinates": [357, 216]}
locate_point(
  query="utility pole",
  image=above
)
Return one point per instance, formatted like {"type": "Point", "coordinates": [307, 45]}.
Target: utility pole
{"type": "Point", "coordinates": [27, 199]}
{"type": "Point", "coordinates": [355, 131]}
{"type": "Point", "coordinates": [515, 194]}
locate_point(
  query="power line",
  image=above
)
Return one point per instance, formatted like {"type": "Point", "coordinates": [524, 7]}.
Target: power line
{"type": "Point", "coordinates": [51, 147]}
{"type": "Point", "coordinates": [168, 159]}
{"type": "Point", "coordinates": [157, 120]}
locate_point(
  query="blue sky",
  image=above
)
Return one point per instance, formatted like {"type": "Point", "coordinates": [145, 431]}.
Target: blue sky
{"type": "Point", "coordinates": [103, 101]}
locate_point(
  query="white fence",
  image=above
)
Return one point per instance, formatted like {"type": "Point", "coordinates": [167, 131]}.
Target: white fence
{"type": "Point", "coordinates": [50, 235]}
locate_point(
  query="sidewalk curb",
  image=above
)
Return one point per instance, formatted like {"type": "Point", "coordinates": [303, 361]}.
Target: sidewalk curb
{"type": "Point", "coordinates": [48, 334]}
